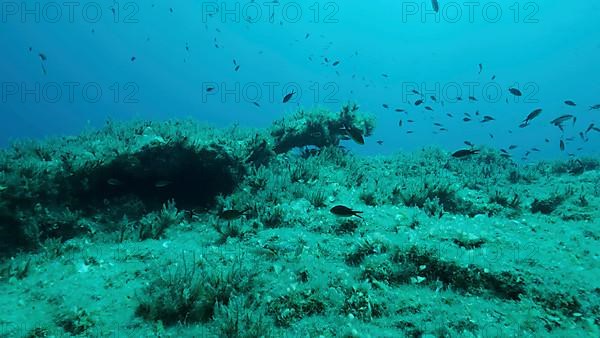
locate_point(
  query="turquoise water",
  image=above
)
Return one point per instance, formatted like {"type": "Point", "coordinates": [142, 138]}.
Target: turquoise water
{"type": "Point", "coordinates": [545, 49]}
{"type": "Point", "coordinates": [299, 169]}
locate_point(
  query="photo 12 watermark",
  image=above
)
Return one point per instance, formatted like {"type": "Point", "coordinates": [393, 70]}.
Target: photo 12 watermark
{"type": "Point", "coordinates": [69, 92]}
{"type": "Point", "coordinates": [434, 11]}
{"type": "Point", "coordinates": [68, 12]}
{"type": "Point", "coordinates": [271, 12]}
{"type": "Point", "coordinates": [259, 93]}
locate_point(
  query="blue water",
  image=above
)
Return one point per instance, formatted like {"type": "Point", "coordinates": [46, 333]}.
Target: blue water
{"type": "Point", "coordinates": [549, 50]}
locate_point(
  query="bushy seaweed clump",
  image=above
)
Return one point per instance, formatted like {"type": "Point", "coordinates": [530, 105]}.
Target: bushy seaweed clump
{"type": "Point", "coordinates": [318, 128]}
{"type": "Point", "coordinates": [191, 291]}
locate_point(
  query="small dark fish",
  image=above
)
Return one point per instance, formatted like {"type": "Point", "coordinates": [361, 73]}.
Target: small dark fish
{"type": "Point", "coordinates": [535, 149]}
{"type": "Point", "coordinates": [559, 120]}
{"type": "Point", "coordinates": [237, 68]}
{"type": "Point", "coordinates": [162, 184]}
{"type": "Point", "coordinates": [380, 142]}
{"type": "Point", "coordinates": [487, 118]}
{"type": "Point", "coordinates": [114, 182]}
{"type": "Point", "coordinates": [409, 131]}
{"type": "Point", "coordinates": [493, 77]}
{"type": "Point", "coordinates": [335, 63]}
{"type": "Point", "coordinates": [433, 98]}
{"type": "Point", "coordinates": [590, 127]}
{"type": "Point", "coordinates": [512, 147]}
{"type": "Point", "coordinates": [437, 124]}
{"type": "Point", "coordinates": [466, 119]}
{"type": "Point", "coordinates": [472, 98]}
{"type": "Point", "coordinates": [385, 75]}
{"type": "Point", "coordinates": [398, 110]}
{"type": "Point", "coordinates": [419, 102]}
{"type": "Point", "coordinates": [410, 121]}
{"type": "Point", "coordinates": [464, 153]}
{"type": "Point", "coordinates": [288, 97]}
{"type": "Point", "coordinates": [256, 104]}
{"type": "Point", "coordinates": [385, 106]}
{"type": "Point", "coordinates": [133, 58]}
{"type": "Point", "coordinates": [480, 68]}
{"type": "Point", "coordinates": [436, 5]}
{"type": "Point", "coordinates": [530, 117]}
{"type": "Point", "coordinates": [210, 89]}
{"type": "Point", "coordinates": [469, 143]}
{"type": "Point", "coordinates": [42, 56]}
{"type": "Point", "coordinates": [562, 145]}
{"type": "Point", "coordinates": [428, 108]}
{"type": "Point", "coordinates": [570, 103]}
{"type": "Point", "coordinates": [343, 211]}
{"type": "Point", "coordinates": [596, 129]}
{"type": "Point", "coordinates": [230, 215]}
{"type": "Point", "coordinates": [595, 107]}
{"type": "Point", "coordinates": [515, 91]}
{"type": "Point", "coordinates": [414, 91]}
{"type": "Point", "coordinates": [355, 134]}
{"type": "Point", "coordinates": [400, 123]}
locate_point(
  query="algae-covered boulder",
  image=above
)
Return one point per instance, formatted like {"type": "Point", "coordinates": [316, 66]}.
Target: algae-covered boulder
{"type": "Point", "coordinates": [121, 170]}
{"type": "Point", "coordinates": [66, 186]}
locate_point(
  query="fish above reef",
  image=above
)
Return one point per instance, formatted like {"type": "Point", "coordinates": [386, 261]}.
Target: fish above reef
{"type": "Point", "coordinates": [288, 97]}
{"type": "Point", "coordinates": [487, 118]}
{"type": "Point", "coordinates": [230, 215]}
{"type": "Point", "coordinates": [530, 117]}
{"type": "Point", "coordinates": [570, 103]}
{"type": "Point", "coordinates": [595, 107]}
{"type": "Point", "coordinates": [559, 120]}
{"type": "Point", "coordinates": [355, 134]}
{"type": "Point", "coordinates": [343, 211]}
{"type": "Point", "coordinates": [515, 91]}
{"type": "Point", "coordinates": [465, 153]}
{"type": "Point", "coordinates": [436, 5]}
